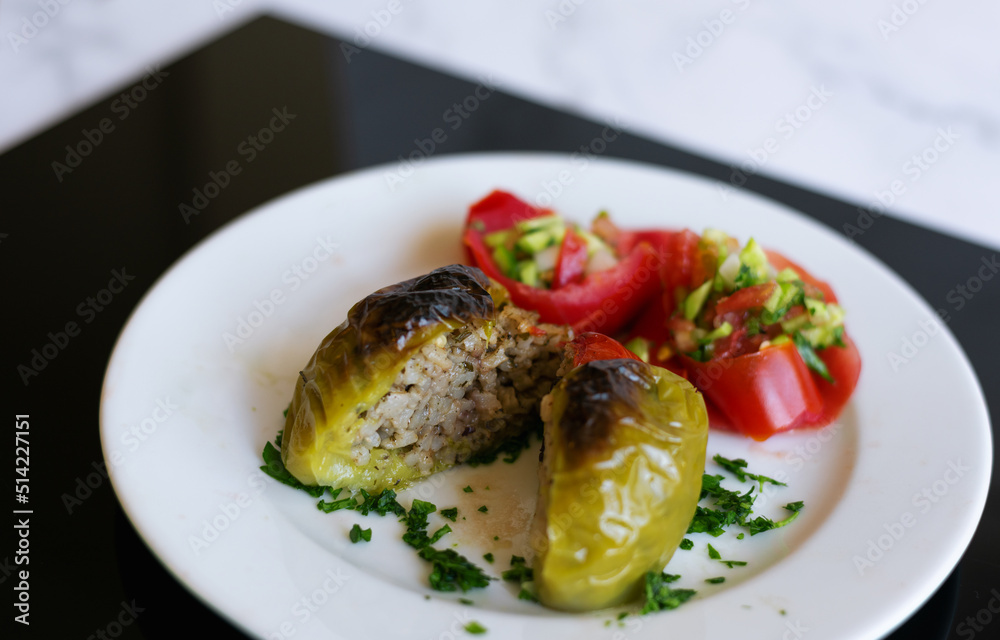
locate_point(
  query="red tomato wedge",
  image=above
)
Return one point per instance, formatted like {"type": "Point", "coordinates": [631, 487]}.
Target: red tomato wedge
{"type": "Point", "coordinates": [604, 301]}
{"type": "Point", "coordinates": [590, 346]}
{"type": "Point", "coordinates": [572, 260]}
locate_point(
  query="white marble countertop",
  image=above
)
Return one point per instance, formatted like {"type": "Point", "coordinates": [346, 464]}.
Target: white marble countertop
{"type": "Point", "coordinates": [897, 100]}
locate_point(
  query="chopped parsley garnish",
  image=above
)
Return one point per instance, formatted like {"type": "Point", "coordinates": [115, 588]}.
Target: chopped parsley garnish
{"type": "Point", "coordinates": [488, 557]}
{"type": "Point", "coordinates": [809, 356]}
{"type": "Point", "coordinates": [718, 580]}
{"type": "Point", "coordinates": [732, 508]}
{"type": "Point", "coordinates": [660, 596]}
{"type": "Point", "coordinates": [712, 553]}
{"type": "Point", "coordinates": [795, 506]}
{"type": "Point", "coordinates": [482, 509]}
{"type": "Point", "coordinates": [760, 524]}
{"type": "Point", "coordinates": [466, 601]}
{"type": "Point", "coordinates": [475, 628]}
{"type": "Point", "coordinates": [733, 563]}
{"type": "Point", "coordinates": [336, 505]}
{"type": "Point", "coordinates": [511, 448]}
{"type": "Point", "coordinates": [519, 570]}
{"type": "Point", "coordinates": [382, 503]}
{"type": "Point", "coordinates": [357, 534]}
{"type": "Point", "coordinates": [737, 466]}
{"type": "Point", "coordinates": [452, 571]}
{"type": "Point", "coordinates": [451, 514]}
{"type": "Point", "coordinates": [274, 467]}
{"type": "Point", "coordinates": [467, 489]}
{"type": "Point", "coordinates": [416, 525]}
{"type": "Point", "coordinates": [686, 544]}
{"type": "Point", "coordinates": [526, 594]}
{"type": "Point", "coordinates": [740, 536]}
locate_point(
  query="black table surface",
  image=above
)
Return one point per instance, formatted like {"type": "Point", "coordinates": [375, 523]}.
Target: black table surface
{"type": "Point", "coordinates": [100, 193]}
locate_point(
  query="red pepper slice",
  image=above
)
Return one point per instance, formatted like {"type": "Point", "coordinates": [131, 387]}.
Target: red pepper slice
{"type": "Point", "coordinates": [745, 299]}
{"type": "Point", "coordinates": [603, 301]}
{"type": "Point", "coordinates": [757, 393]}
{"type": "Point", "coordinates": [572, 260]}
{"type": "Point", "coordinates": [590, 346]}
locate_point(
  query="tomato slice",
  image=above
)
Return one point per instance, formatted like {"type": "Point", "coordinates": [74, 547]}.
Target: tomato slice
{"type": "Point", "coordinates": [760, 393]}
{"type": "Point", "coordinates": [745, 299]}
{"type": "Point", "coordinates": [572, 260]}
{"type": "Point", "coordinates": [591, 346]}
{"type": "Point", "coordinates": [603, 301]}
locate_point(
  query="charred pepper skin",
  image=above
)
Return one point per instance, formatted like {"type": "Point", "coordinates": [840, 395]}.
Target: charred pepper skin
{"type": "Point", "coordinates": [357, 363]}
{"type": "Point", "coordinates": [623, 458]}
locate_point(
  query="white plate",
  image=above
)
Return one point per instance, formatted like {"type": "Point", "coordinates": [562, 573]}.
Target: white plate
{"type": "Point", "coordinates": [893, 491]}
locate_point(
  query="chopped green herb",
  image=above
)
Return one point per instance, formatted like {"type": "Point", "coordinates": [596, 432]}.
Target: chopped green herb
{"type": "Point", "coordinates": [659, 596]}
{"type": "Point", "coordinates": [760, 524]}
{"type": "Point", "coordinates": [475, 628]}
{"type": "Point", "coordinates": [733, 508]}
{"type": "Point", "coordinates": [686, 544]}
{"type": "Point", "coordinates": [488, 557]}
{"type": "Point", "coordinates": [526, 594]}
{"type": "Point", "coordinates": [623, 615]}
{"type": "Point", "coordinates": [277, 438]}
{"type": "Point", "coordinates": [511, 449]}
{"type": "Point", "coordinates": [274, 467]}
{"type": "Point", "coordinates": [467, 489]}
{"type": "Point", "coordinates": [737, 466]}
{"type": "Point", "coordinates": [357, 534]}
{"type": "Point", "coordinates": [466, 601]}
{"type": "Point", "coordinates": [416, 525]}
{"type": "Point", "coordinates": [718, 580]}
{"type": "Point", "coordinates": [496, 537]}
{"type": "Point", "coordinates": [451, 514]}
{"type": "Point", "coordinates": [336, 505]}
{"type": "Point", "coordinates": [733, 563]}
{"type": "Point", "coordinates": [482, 509]}
{"type": "Point", "coordinates": [452, 571]}
{"type": "Point", "coordinates": [740, 536]}
{"type": "Point", "coordinates": [382, 503]}
{"type": "Point", "coordinates": [519, 570]}
{"type": "Point", "coordinates": [809, 356]}
{"type": "Point", "coordinates": [712, 553]}
{"type": "Point", "coordinates": [795, 506]}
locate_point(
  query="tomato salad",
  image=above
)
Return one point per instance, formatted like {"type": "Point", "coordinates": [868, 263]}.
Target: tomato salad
{"type": "Point", "coordinates": [761, 337]}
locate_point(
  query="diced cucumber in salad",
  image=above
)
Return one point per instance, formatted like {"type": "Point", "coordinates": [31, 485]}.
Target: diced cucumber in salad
{"type": "Point", "coordinates": [529, 252]}
{"type": "Point", "coordinates": [746, 299]}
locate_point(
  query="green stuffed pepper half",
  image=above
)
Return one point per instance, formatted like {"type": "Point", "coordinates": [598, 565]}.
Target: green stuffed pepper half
{"type": "Point", "coordinates": [623, 456]}
{"type": "Point", "coordinates": [422, 375]}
